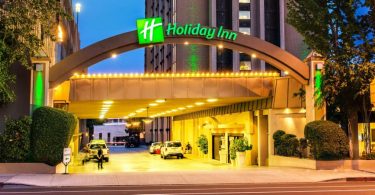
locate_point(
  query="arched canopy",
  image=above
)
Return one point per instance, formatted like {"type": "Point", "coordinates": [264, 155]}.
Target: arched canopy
{"type": "Point", "coordinates": [128, 41]}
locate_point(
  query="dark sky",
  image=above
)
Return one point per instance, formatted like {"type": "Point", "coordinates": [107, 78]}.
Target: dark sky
{"type": "Point", "coordinates": [100, 19]}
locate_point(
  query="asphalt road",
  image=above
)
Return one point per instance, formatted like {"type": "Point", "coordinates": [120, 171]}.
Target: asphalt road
{"type": "Point", "coordinates": [331, 188]}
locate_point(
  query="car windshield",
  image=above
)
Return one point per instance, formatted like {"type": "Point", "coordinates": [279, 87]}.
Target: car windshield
{"type": "Point", "coordinates": [174, 144]}
{"type": "Point", "coordinates": [97, 146]}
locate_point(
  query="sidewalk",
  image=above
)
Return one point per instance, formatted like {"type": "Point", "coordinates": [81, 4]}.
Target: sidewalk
{"type": "Point", "coordinates": [253, 175]}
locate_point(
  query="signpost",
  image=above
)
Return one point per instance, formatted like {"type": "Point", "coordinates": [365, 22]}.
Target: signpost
{"type": "Point", "coordinates": [66, 157]}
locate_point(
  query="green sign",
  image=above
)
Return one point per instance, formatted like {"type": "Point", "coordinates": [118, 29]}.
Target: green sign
{"type": "Point", "coordinates": [150, 30]}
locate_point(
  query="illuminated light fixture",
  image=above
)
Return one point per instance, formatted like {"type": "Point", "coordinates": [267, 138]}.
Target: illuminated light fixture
{"type": "Point", "coordinates": [108, 102]}
{"type": "Point", "coordinates": [114, 56]}
{"type": "Point", "coordinates": [135, 123]}
{"type": "Point", "coordinates": [153, 104]}
{"type": "Point", "coordinates": [140, 110]}
{"type": "Point", "coordinates": [78, 7]}
{"type": "Point", "coordinates": [189, 106]}
{"type": "Point", "coordinates": [199, 103]}
{"type": "Point", "coordinates": [186, 43]}
{"type": "Point", "coordinates": [212, 100]}
{"type": "Point", "coordinates": [181, 108]}
{"type": "Point", "coordinates": [169, 111]}
{"type": "Point", "coordinates": [131, 114]}
{"type": "Point", "coordinates": [125, 117]}
{"type": "Point", "coordinates": [59, 34]}
{"type": "Point", "coordinates": [101, 117]}
{"type": "Point", "coordinates": [286, 72]}
{"type": "Point", "coordinates": [160, 100]}
{"type": "Point", "coordinates": [220, 46]}
{"type": "Point", "coordinates": [106, 106]}
{"type": "Point", "coordinates": [253, 55]}
{"type": "Point", "coordinates": [128, 124]}
{"type": "Point", "coordinates": [147, 120]}
{"type": "Point", "coordinates": [174, 110]}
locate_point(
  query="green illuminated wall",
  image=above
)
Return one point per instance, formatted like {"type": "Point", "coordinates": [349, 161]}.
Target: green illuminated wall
{"type": "Point", "coordinates": [38, 94]}
{"type": "Point", "coordinates": [318, 85]}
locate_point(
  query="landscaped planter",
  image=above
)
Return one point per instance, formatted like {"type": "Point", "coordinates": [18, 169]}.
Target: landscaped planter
{"type": "Point", "coordinates": [283, 161]}
{"type": "Point", "coordinates": [30, 168]}
{"type": "Point", "coordinates": [240, 159]}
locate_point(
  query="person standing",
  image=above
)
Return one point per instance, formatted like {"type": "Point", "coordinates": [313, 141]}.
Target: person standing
{"type": "Point", "coordinates": [100, 158]}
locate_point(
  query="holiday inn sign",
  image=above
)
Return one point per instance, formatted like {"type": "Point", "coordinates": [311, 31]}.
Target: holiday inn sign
{"type": "Point", "coordinates": [151, 30]}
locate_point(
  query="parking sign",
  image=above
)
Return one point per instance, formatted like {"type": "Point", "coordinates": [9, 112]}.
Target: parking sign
{"type": "Point", "coordinates": [66, 155]}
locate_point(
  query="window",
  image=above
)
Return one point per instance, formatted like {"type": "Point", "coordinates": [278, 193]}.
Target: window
{"type": "Point", "coordinates": [245, 31]}
{"type": "Point", "coordinates": [244, 14]}
{"type": "Point", "coordinates": [245, 65]}
{"type": "Point", "coordinates": [100, 135]}
{"type": "Point", "coordinates": [108, 137]}
{"type": "Point", "coordinates": [244, 1]}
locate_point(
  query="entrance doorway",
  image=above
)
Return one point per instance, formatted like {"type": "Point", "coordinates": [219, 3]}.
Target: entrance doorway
{"type": "Point", "coordinates": [217, 141]}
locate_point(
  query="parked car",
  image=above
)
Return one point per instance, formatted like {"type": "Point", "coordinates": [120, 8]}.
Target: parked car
{"type": "Point", "coordinates": [155, 148]}
{"type": "Point", "coordinates": [94, 146]}
{"type": "Point", "coordinates": [171, 148]}
{"type": "Point", "coordinates": [132, 142]}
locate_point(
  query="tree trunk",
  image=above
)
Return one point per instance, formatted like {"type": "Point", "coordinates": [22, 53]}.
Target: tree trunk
{"type": "Point", "coordinates": [353, 134]}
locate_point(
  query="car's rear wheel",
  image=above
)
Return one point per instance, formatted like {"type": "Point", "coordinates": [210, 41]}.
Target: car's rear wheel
{"type": "Point", "coordinates": [165, 157]}
{"type": "Point", "coordinates": [106, 160]}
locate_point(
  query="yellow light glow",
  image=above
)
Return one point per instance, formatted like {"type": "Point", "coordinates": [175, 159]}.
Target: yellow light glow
{"type": "Point", "coordinates": [153, 104]}
{"type": "Point", "coordinates": [125, 117]}
{"type": "Point", "coordinates": [189, 106]}
{"type": "Point", "coordinates": [132, 114]}
{"type": "Point", "coordinates": [78, 7]}
{"type": "Point", "coordinates": [108, 102]}
{"type": "Point", "coordinates": [181, 108]}
{"type": "Point", "coordinates": [253, 55]}
{"type": "Point", "coordinates": [199, 103]}
{"type": "Point", "coordinates": [106, 106]}
{"type": "Point", "coordinates": [212, 100]}
{"type": "Point", "coordinates": [60, 37]}
{"type": "Point", "coordinates": [174, 110]}
{"type": "Point", "coordinates": [186, 43]}
{"type": "Point", "coordinates": [114, 55]}
{"type": "Point", "coordinates": [160, 100]}
{"type": "Point", "coordinates": [286, 72]}
{"type": "Point", "coordinates": [220, 46]}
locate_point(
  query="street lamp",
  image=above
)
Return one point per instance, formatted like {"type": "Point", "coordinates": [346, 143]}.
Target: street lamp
{"type": "Point", "coordinates": [78, 10]}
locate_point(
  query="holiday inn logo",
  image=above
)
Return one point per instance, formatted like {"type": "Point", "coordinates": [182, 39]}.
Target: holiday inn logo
{"type": "Point", "coordinates": [150, 30]}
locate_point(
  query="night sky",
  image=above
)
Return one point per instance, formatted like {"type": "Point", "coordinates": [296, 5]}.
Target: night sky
{"type": "Point", "coordinates": [100, 19]}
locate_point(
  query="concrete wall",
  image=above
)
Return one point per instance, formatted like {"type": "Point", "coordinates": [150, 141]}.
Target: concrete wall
{"type": "Point", "coordinates": [114, 130]}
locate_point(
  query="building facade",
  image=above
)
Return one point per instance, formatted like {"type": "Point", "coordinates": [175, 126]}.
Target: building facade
{"type": "Point", "coordinates": [265, 19]}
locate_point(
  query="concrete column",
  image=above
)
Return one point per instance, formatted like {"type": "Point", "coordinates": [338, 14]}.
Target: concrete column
{"type": "Point", "coordinates": [84, 131]}
{"type": "Point", "coordinates": [262, 139]}
{"type": "Point", "coordinates": [212, 53]}
{"type": "Point", "coordinates": [282, 24]}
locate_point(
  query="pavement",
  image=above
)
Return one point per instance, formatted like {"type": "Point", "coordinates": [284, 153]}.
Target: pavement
{"type": "Point", "coordinates": [137, 167]}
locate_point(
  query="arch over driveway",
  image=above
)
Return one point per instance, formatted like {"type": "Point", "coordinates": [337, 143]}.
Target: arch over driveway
{"type": "Point", "coordinates": [129, 41]}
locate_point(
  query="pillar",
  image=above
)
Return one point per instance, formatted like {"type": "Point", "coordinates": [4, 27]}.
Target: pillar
{"type": "Point", "coordinates": [262, 138]}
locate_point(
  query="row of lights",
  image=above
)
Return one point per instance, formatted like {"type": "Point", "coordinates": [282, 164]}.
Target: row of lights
{"type": "Point", "coordinates": [210, 100]}
{"type": "Point", "coordinates": [105, 108]}
{"type": "Point", "coordinates": [152, 104]}
{"type": "Point", "coordinates": [153, 75]}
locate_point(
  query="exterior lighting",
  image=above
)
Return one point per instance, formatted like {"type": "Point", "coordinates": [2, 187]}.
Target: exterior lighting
{"type": "Point", "coordinates": [106, 105]}
{"type": "Point", "coordinates": [160, 100]}
{"type": "Point", "coordinates": [114, 56]}
{"type": "Point", "coordinates": [59, 34]}
{"type": "Point", "coordinates": [181, 108]}
{"type": "Point", "coordinates": [212, 100]}
{"type": "Point", "coordinates": [140, 110]}
{"type": "Point", "coordinates": [126, 117]}
{"type": "Point", "coordinates": [132, 114]}
{"type": "Point", "coordinates": [78, 7]}
{"type": "Point", "coordinates": [174, 110]}
{"type": "Point", "coordinates": [147, 120]}
{"type": "Point", "coordinates": [186, 43]}
{"type": "Point", "coordinates": [108, 102]}
{"type": "Point", "coordinates": [153, 104]}
{"type": "Point", "coordinates": [189, 106]}
{"type": "Point", "coordinates": [286, 72]}
{"type": "Point", "coordinates": [199, 103]}
{"type": "Point", "coordinates": [253, 55]}
{"type": "Point", "coordinates": [135, 123]}
{"type": "Point", "coordinates": [220, 46]}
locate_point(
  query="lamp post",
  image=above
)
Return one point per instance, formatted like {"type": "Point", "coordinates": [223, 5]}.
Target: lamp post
{"type": "Point", "coordinates": [78, 10]}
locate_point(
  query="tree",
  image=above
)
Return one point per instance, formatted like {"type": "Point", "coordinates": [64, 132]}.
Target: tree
{"type": "Point", "coordinates": [24, 25]}
{"type": "Point", "coordinates": [343, 33]}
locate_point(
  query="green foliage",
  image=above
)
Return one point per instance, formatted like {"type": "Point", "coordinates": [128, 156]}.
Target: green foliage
{"type": "Point", "coordinates": [344, 36]}
{"type": "Point", "coordinates": [52, 130]}
{"type": "Point", "coordinates": [370, 156]}
{"type": "Point", "coordinates": [23, 27]}
{"type": "Point", "coordinates": [203, 143]}
{"type": "Point", "coordinates": [285, 144]}
{"type": "Point", "coordinates": [15, 140]}
{"type": "Point", "coordinates": [277, 140]}
{"type": "Point", "coordinates": [302, 147]}
{"type": "Point", "coordinates": [327, 140]}
{"type": "Point", "coordinates": [239, 145]}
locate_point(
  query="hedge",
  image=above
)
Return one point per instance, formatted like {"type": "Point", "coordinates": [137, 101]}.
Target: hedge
{"type": "Point", "coordinates": [327, 140]}
{"type": "Point", "coordinates": [15, 140]}
{"type": "Point", "coordinates": [52, 130]}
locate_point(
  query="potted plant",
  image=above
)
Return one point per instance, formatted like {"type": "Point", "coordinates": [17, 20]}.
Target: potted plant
{"type": "Point", "coordinates": [232, 153]}
{"type": "Point", "coordinates": [238, 149]}
{"type": "Point", "coordinates": [203, 144]}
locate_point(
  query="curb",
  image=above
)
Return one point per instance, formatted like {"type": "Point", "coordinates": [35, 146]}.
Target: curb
{"type": "Point", "coordinates": [365, 179]}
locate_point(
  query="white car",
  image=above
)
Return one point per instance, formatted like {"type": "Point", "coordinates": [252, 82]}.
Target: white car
{"type": "Point", "coordinates": [94, 146]}
{"type": "Point", "coordinates": [155, 148]}
{"type": "Point", "coordinates": [171, 148]}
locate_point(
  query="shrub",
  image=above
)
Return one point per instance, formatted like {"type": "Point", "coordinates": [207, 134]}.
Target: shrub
{"type": "Point", "coordinates": [52, 130]}
{"type": "Point", "coordinates": [327, 140]}
{"type": "Point", "coordinates": [203, 144]}
{"type": "Point", "coordinates": [277, 140]}
{"type": "Point", "coordinates": [239, 145]}
{"type": "Point", "coordinates": [15, 140]}
{"type": "Point", "coordinates": [289, 145]}
{"type": "Point", "coordinates": [370, 156]}
{"type": "Point", "coordinates": [303, 148]}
